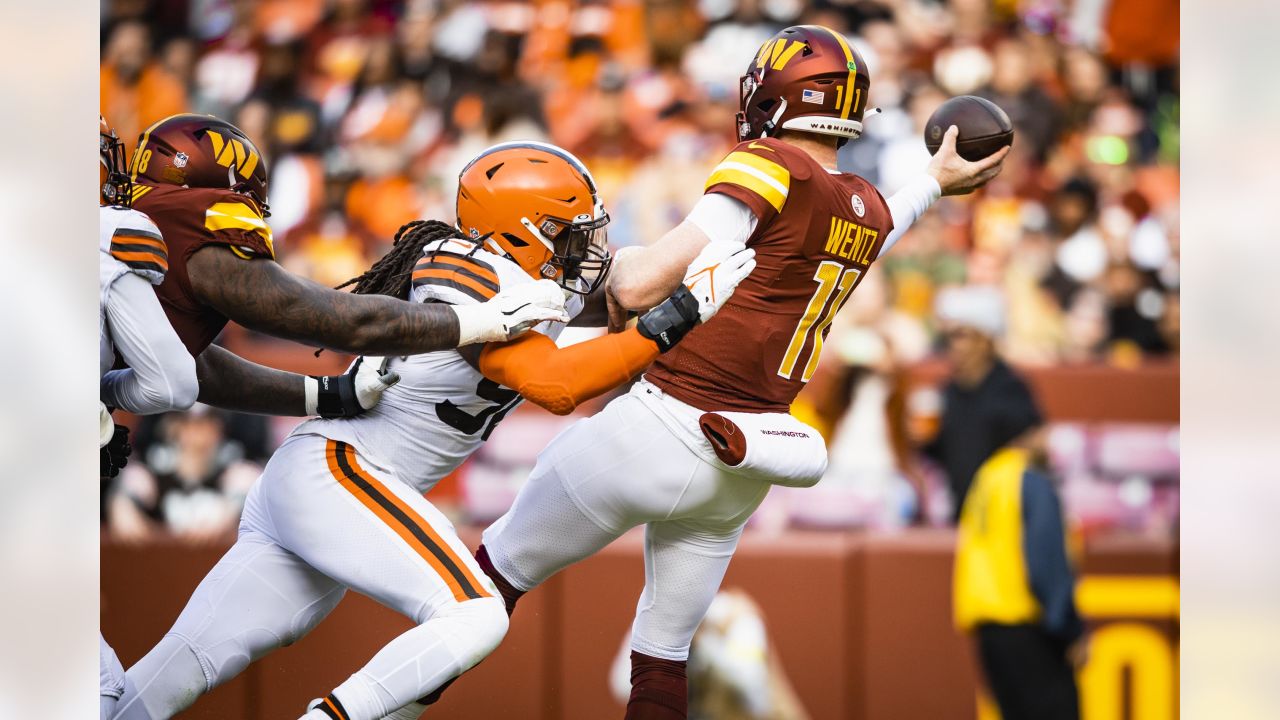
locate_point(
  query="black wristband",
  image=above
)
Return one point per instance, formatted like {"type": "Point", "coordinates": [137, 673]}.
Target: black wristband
{"type": "Point", "coordinates": [667, 323]}
{"type": "Point", "coordinates": [336, 396]}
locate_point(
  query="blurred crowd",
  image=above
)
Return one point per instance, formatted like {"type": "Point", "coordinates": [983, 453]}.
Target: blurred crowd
{"type": "Point", "coordinates": [367, 110]}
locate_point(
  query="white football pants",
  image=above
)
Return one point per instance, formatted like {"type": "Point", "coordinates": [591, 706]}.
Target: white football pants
{"type": "Point", "coordinates": [641, 460]}
{"type": "Point", "coordinates": [323, 518]}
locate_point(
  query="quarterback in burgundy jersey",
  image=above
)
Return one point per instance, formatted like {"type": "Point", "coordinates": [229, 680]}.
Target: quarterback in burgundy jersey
{"type": "Point", "coordinates": [696, 445]}
{"type": "Point", "coordinates": [816, 234]}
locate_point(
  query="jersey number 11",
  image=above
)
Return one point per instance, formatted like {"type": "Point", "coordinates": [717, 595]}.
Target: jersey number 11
{"type": "Point", "coordinates": [831, 276]}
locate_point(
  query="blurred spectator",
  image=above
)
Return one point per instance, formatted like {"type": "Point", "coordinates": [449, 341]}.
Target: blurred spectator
{"type": "Point", "coordinates": [191, 482]}
{"type": "Point", "coordinates": [1014, 588]}
{"type": "Point", "coordinates": [226, 72]}
{"type": "Point", "coordinates": [1012, 87]}
{"type": "Point", "coordinates": [986, 405]}
{"type": "Point", "coordinates": [135, 91]}
{"type": "Point", "coordinates": [329, 245]}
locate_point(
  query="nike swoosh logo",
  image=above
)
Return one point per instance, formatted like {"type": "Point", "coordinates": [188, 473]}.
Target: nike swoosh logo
{"type": "Point", "coordinates": [756, 146]}
{"type": "Point", "coordinates": [710, 272]}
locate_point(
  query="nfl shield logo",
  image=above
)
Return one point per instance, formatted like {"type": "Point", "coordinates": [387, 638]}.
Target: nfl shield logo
{"type": "Point", "coordinates": [180, 160]}
{"type": "Point", "coordinates": [812, 96]}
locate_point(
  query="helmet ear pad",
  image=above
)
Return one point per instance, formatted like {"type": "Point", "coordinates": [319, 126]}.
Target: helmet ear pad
{"type": "Point", "coordinates": [534, 203]}
{"type": "Point", "coordinates": [807, 78]}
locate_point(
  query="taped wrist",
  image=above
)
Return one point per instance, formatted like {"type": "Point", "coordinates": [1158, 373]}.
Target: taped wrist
{"type": "Point", "coordinates": [670, 321]}
{"type": "Point", "coordinates": [334, 396]}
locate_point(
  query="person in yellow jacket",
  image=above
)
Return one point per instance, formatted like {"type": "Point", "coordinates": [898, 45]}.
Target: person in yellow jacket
{"type": "Point", "coordinates": [1014, 587]}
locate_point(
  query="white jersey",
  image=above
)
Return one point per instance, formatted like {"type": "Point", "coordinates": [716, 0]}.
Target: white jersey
{"type": "Point", "coordinates": [128, 242]}
{"type": "Point", "coordinates": [443, 408]}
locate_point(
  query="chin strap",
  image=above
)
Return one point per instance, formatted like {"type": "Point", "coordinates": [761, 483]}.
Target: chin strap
{"type": "Point", "coordinates": [767, 130]}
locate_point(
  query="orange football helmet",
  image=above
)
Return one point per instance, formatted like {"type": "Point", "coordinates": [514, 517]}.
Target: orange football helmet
{"type": "Point", "coordinates": [114, 176]}
{"type": "Point", "coordinates": [538, 205]}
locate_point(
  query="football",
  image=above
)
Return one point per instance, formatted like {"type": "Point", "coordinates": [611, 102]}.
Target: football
{"type": "Point", "coordinates": [984, 127]}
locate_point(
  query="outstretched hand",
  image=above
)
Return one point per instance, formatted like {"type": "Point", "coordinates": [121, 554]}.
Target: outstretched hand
{"type": "Point", "coordinates": [957, 176]}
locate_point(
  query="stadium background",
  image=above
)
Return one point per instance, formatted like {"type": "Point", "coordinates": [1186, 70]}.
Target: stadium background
{"type": "Point", "coordinates": [366, 110]}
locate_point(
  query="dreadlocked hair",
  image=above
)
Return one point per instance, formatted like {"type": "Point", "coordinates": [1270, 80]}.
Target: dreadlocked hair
{"type": "Point", "coordinates": [392, 273]}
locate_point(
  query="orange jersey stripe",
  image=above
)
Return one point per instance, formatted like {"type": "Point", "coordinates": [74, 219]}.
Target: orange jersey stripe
{"type": "Point", "coordinates": [140, 257]}
{"type": "Point", "coordinates": [461, 582]}
{"type": "Point", "coordinates": [454, 276]}
{"type": "Point", "coordinates": [127, 239]}
{"type": "Point", "coordinates": [474, 266]}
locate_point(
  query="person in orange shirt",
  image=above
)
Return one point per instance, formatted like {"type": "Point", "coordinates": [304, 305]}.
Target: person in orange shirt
{"type": "Point", "coordinates": [135, 91]}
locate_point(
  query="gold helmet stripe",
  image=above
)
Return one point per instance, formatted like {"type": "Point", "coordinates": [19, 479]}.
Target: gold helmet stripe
{"type": "Point", "coordinates": [853, 71]}
{"type": "Point", "coordinates": [142, 144]}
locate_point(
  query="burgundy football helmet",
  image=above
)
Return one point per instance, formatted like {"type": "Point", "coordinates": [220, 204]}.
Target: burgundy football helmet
{"type": "Point", "coordinates": [200, 151]}
{"type": "Point", "coordinates": [806, 78]}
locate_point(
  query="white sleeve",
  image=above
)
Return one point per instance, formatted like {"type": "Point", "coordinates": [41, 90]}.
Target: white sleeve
{"type": "Point", "coordinates": [723, 218]}
{"type": "Point", "coordinates": [907, 205]}
{"type": "Point", "coordinates": [161, 375]}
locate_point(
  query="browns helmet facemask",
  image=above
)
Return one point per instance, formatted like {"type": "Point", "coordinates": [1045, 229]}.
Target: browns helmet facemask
{"type": "Point", "coordinates": [806, 78]}
{"type": "Point", "coordinates": [116, 188]}
{"type": "Point", "coordinates": [200, 151]}
{"type": "Point", "coordinates": [537, 204]}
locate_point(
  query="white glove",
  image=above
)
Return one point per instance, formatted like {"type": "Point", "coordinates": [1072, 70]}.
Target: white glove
{"type": "Point", "coordinates": [716, 272]}
{"type": "Point", "coordinates": [351, 393]}
{"type": "Point", "coordinates": [372, 379]}
{"type": "Point", "coordinates": [106, 426]}
{"type": "Point", "coordinates": [511, 312]}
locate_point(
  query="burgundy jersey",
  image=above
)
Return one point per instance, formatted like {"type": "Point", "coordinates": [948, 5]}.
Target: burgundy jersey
{"type": "Point", "coordinates": [817, 233]}
{"type": "Point", "coordinates": [189, 219]}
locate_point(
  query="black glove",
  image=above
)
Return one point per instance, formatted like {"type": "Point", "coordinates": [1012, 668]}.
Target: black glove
{"type": "Point", "coordinates": [670, 321]}
{"type": "Point", "coordinates": [115, 454]}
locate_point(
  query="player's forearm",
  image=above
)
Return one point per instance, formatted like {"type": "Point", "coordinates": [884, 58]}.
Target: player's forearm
{"type": "Point", "coordinates": [230, 382]}
{"type": "Point", "coordinates": [559, 379]}
{"type": "Point", "coordinates": [907, 205]}
{"type": "Point", "coordinates": [645, 276]}
{"type": "Point", "coordinates": [262, 296]}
